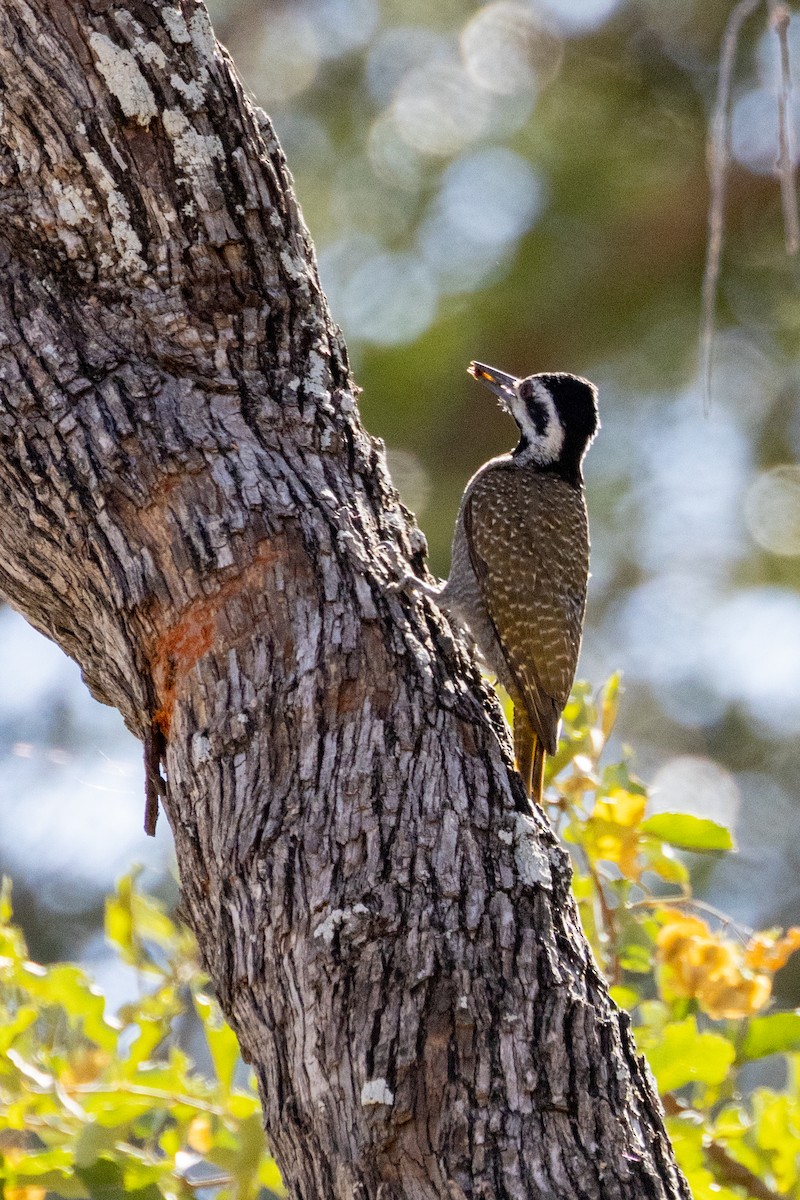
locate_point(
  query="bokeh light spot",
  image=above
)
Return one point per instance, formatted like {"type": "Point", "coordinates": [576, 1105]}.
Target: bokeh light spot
{"type": "Point", "coordinates": [342, 25]}
{"type": "Point", "coordinates": [289, 57]}
{"type": "Point", "coordinates": [693, 784]}
{"type": "Point", "coordinates": [660, 629]}
{"type": "Point", "coordinates": [459, 262]}
{"type": "Point", "coordinates": [492, 196]}
{"type": "Point", "coordinates": [439, 110]}
{"type": "Point", "coordinates": [768, 54]}
{"type": "Point", "coordinates": [381, 297]}
{"type": "Point", "coordinates": [506, 49]}
{"type": "Point", "coordinates": [398, 50]}
{"type": "Point", "coordinates": [488, 199]}
{"type": "Point", "coordinates": [754, 130]}
{"type": "Point", "coordinates": [688, 488]}
{"type": "Point", "coordinates": [392, 159]}
{"type": "Point", "coordinates": [580, 16]}
{"type": "Point", "coordinates": [410, 478]}
{"type": "Point", "coordinates": [753, 656]}
{"type": "Point", "coordinates": [772, 510]}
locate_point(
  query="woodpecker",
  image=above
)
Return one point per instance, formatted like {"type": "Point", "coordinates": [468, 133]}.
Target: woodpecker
{"type": "Point", "coordinates": [520, 559]}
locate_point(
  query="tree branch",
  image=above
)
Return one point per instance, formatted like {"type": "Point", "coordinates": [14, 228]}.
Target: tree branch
{"type": "Point", "coordinates": [190, 507]}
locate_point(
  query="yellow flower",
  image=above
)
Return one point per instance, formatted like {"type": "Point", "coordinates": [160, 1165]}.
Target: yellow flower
{"type": "Point", "coordinates": [199, 1136]}
{"type": "Point", "coordinates": [768, 952]}
{"type": "Point", "coordinates": [735, 996]}
{"type": "Point", "coordinates": [613, 830]}
{"type": "Point", "coordinates": [24, 1193]}
{"type": "Point", "coordinates": [85, 1067]}
{"type": "Point", "coordinates": [620, 808]}
{"type": "Point", "coordinates": [713, 970]}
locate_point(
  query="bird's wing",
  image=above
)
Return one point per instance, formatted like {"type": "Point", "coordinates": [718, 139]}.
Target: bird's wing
{"type": "Point", "coordinates": [529, 546]}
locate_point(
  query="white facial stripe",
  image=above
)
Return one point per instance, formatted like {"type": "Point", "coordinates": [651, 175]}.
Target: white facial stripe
{"type": "Point", "coordinates": [543, 448]}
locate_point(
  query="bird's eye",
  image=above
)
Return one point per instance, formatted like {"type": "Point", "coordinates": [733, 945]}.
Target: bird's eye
{"type": "Point", "coordinates": [540, 418]}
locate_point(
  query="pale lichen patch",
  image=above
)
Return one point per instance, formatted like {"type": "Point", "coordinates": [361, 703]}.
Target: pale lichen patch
{"type": "Point", "coordinates": [194, 152]}
{"type": "Point", "coordinates": [150, 52]}
{"type": "Point", "coordinates": [191, 89]}
{"type": "Point", "coordinates": [70, 204]}
{"type": "Point", "coordinates": [125, 237]}
{"type": "Point", "coordinates": [175, 25]}
{"type": "Point", "coordinates": [124, 79]}
{"type": "Point", "coordinates": [201, 749]}
{"type": "Point", "coordinates": [337, 917]}
{"type": "Point", "coordinates": [296, 268]}
{"type": "Point", "coordinates": [316, 375]}
{"type": "Point", "coordinates": [532, 862]}
{"type": "Point", "coordinates": [376, 1091]}
{"type": "Point", "coordinates": [202, 35]}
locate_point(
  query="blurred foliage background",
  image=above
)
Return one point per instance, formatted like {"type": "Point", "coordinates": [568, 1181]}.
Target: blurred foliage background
{"type": "Point", "coordinates": [522, 182]}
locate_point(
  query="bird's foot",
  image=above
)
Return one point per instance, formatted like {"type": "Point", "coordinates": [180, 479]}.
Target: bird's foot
{"type": "Point", "coordinates": [406, 582]}
{"type": "Point", "coordinates": [411, 583]}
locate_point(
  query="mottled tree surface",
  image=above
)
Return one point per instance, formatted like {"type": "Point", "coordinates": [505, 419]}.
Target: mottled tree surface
{"type": "Point", "coordinates": [191, 509]}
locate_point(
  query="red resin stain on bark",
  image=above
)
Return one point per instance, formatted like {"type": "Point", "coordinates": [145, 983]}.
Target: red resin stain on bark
{"type": "Point", "coordinates": [192, 632]}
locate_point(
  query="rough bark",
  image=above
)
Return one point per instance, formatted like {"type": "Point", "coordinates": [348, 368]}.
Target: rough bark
{"type": "Point", "coordinates": [190, 507]}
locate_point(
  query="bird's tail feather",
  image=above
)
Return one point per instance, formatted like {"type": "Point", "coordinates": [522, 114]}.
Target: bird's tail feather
{"type": "Point", "coordinates": [524, 741]}
{"type": "Point", "coordinates": [537, 774]}
{"type": "Point", "coordinates": [529, 754]}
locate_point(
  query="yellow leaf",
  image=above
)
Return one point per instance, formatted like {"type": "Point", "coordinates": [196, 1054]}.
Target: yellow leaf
{"type": "Point", "coordinates": [769, 953]}
{"type": "Point", "coordinates": [198, 1136]}
{"type": "Point", "coordinates": [737, 996]}
{"type": "Point", "coordinates": [609, 705]}
{"type": "Point", "coordinates": [85, 1067]}
{"type": "Point", "coordinates": [700, 965]}
{"type": "Point", "coordinates": [621, 808]}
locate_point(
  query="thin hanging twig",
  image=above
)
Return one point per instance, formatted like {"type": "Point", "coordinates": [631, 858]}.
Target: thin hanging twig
{"type": "Point", "coordinates": [779, 19]}
{"type": "Point", "coordinates": [718, 160]}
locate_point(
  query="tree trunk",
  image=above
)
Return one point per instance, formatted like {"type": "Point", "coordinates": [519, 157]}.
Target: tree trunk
{"type": "Point", "coordinates": [190, 507]}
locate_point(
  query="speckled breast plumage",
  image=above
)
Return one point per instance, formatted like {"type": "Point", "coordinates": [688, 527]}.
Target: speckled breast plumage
{"type": "Point", "coordinates": [518, 582]}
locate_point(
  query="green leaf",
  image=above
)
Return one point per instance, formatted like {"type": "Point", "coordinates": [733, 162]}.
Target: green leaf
{"type": "Point", "coordinates": [609, 704]}
{"type": "Point", "coordinates": [270, 1177]}
{"type": "Point", "coordinates": [662, 862]}
{"type": "Point", "coordinates": [682, 1055]}
{"type": "Point", "coordinates": [105, 1181]}
{"type": "Point", "coordinates": [625, 997]}
{"type": "Point", "coordinates": [62, 1184]}
{"type": "Point", "coordinates": [687, 1137]}
{"type": "Point", "coordinates": [243, 1161]}
{"type": "Point", "coordinates": [777, 1033]}
{"type": "Point", "coordinates": [119, 921]}
{"type": "Point", "coordinates": [776, 1122]}
{"type": "Point", "coordinates": [6, 911]}
{"type": "Point", "coordinates": [617, 776]}
{"type": "Point", "coordinates": [637, 959]}
{"type": "Point", "coordinates": [67, 986]}
{"type": "Point", "coordinates": [242, 1104]}
{"type": "Point", "coordinates": [221, 1040]}
{"type": "Point", "coordinates": [94, 1140]}
{"type": "Point", "coordinates": [688, 832]}
{"type": "Point", "coordinates": [36, 1165]}
{"type": "Point", "coordinates": [23, 1019]}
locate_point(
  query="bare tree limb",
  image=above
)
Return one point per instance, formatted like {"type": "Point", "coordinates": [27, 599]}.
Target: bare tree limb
{"type": "Point", "coordinates": [779, 19]}
{"type": "Point", "coordinates": [718, 163]}
{"type": "Point", "coordinates": [190, 507]}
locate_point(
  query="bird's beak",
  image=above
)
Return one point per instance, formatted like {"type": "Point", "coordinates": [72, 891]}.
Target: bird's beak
{"type": "Point", "coordinates": [497, 381]}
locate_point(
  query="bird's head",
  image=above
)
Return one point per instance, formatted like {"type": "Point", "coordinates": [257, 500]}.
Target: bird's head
{"type": "Point", "coordinates": [556, 414]}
